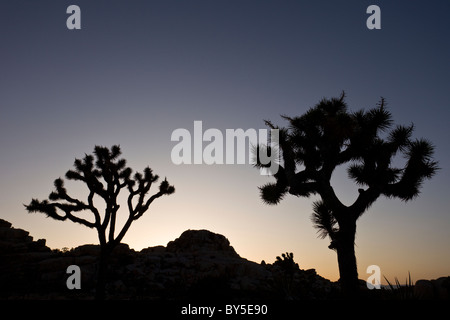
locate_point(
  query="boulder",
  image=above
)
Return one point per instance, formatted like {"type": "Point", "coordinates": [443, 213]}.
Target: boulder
{"type": "Point", "coordinates": [13, 234]}
{"type": "Point", "coordinates": [86, 250]}
{"type": "Point", "coordinates": [424, 289]}
{"type": "Point", "coordinates": [152, 250]}
{"type": "Point", "coordinates": [433, 289]}
{"type": "Point", "coordinates": [5, 224]}
{"type": "Point", "coordinates": [442, 287]}
{"type": "Point", "coordinates": [195, 241]}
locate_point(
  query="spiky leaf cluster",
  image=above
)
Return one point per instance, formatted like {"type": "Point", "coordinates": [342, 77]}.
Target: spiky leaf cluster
{"type": "Point", "coordinates": [105, 175]}
{"type": "Point", "coordinates": [327, 136]}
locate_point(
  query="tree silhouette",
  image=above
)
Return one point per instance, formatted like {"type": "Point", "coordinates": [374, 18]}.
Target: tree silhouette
{"type": "Point", "coordinates": [105, 179]}
{"type": "Point", "coordinates": [288, 269]}
{"type": "Point", "coordinates": [286, 262]}
{"type": "Point", "coordinates": [327, 136]}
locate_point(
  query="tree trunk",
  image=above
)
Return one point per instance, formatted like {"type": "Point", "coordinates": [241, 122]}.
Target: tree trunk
{"type": "Point", "coordinates": [100, 289]}
{"type": "Point", "coordinates": [345, 247]}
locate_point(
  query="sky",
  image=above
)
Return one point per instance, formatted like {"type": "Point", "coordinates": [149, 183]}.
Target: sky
{"type": "Point", "coordinates": [138, 70]}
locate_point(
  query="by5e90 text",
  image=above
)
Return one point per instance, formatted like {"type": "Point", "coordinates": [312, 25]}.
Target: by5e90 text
{"type": "Point", "coordinates": [230, 309]}
{"type": "Point", "coordinates": [245, 309]}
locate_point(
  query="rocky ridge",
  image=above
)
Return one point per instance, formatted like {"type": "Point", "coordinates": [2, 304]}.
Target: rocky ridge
{"type": "Point", "coordinates": [198, 265]}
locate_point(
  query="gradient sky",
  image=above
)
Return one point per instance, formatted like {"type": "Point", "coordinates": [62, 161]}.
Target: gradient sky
{"type": "Point", "coordinates": [138, 70]}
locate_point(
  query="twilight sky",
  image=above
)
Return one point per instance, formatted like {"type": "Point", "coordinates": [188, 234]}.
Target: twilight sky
{"type": "Point", "coordinates": [138, 70]}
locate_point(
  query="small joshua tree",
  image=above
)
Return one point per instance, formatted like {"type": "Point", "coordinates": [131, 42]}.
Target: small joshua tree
{"type": "Point", "coordinates": [287, 263]}
{"type": "Point", "coordinates": [105, 178]}
{"type": "Point", "coordinates": [288, 269]}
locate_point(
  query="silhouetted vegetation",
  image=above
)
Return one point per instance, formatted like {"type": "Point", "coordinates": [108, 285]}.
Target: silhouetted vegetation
{"type": "Point", "coordinates": [105, 179]}
{"type": "Point", "coordinates": [399, 291]}
{"type": "Point", "coordinates": [286, 263]}
{"type": "Point", "coordinates": [327, 136]}
{"type": "Point", "coordinates": [284, 281]}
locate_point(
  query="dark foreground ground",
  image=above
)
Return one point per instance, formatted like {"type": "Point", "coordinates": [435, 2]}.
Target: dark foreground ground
{"type": "Point", "coordinates": [197, 270]}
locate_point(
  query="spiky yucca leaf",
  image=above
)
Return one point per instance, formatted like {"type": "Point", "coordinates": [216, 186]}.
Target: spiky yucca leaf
{"type": "Point", "coordinates": [399, 138]}
{"type": "Point", "coordinates": [165, 187]}
{"type": "Point", "coordinates": [323, 220]}
{"type": "Point", "coordinates": [271, 193]}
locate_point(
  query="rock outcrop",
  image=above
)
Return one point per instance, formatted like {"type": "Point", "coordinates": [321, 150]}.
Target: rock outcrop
{"type": "Point", "coordinates": [437, 289]}
{"type": "Point", "coordinates": [20, 257]}
{"type": "Point", "coordinates": [198, 265]}
{"type": "Point", "coordinates": [202, 242]}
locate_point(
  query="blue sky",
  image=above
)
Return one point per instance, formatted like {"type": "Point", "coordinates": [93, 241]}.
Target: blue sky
{"type": "Point", "coordinates": [138, 70]}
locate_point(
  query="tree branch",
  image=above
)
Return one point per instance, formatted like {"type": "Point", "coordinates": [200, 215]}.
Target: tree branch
{"type": "Point", "coordinates": [365, 199]}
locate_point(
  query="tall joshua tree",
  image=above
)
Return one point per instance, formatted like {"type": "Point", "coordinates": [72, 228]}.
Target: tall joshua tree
{"type": "Point", "coordinates": [105, 178]}
{"type": "Point", "coordinates": [327, 136]}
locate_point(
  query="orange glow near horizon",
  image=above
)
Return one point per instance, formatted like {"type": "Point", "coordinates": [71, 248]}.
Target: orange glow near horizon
{"type": "Point", "coordinates": [256, 231]}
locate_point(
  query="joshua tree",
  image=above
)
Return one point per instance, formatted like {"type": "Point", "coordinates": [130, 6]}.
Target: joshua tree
{"type": "Point", "coordinates": [288, 269]}
{"type": "Point", "coordinates": [328, 136]}
{"type": "Point", "coordinates": [286, 262]}
{"type": "Point", "coordinates": [105, 179]}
